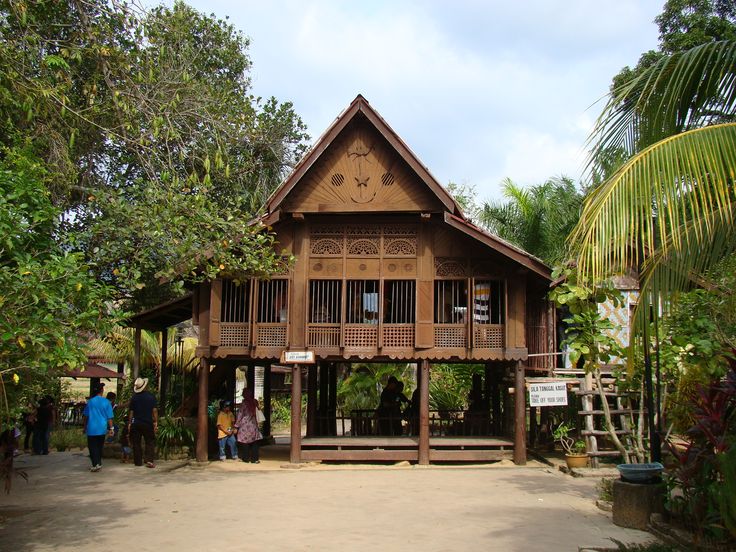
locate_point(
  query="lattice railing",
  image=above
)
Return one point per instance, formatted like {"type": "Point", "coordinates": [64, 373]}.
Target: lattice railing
{"type": "Point", "coordinates": [489, 336]}
{"type": "Point", "coordinates": [271, 335]}
{"type": "Point", "coordinates": [361, 336]}
{"type": "Point", "coordinates": [398, 335]}
{"type": "Point", "coordinates": [323, 335]}
{"type": "Point", "coordinates": [450, 335]}
{"type": "Point", "coordinates": [234, 334]}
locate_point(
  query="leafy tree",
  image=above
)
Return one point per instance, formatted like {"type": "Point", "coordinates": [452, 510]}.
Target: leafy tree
{"type": "Point", "coordinates": [49, 300]}
{"type": "Point", "coordinates": [149, 131]}
{"type": "Point", "coordinates": [537, 219]}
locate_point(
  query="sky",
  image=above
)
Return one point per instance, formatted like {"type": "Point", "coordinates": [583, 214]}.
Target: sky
{"type": "Point", "coordinates": [479, 90]}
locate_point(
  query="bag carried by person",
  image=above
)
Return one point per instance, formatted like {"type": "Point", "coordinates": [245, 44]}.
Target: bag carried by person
{"type": "Point", "coordinates": [260, 417]}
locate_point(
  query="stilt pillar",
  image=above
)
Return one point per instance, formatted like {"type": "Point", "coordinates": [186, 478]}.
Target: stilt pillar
{"type": "Point", "coordinates": [295, 453]}
{"type": "Point", "coordinates": [519, 416]}
{"type": "Point", "coordinates": [311, 400]}
{"type": "Point", "coordinates": [202, 422]}
{"type": "Point", "coordinates": [423, 457]}
{"type": "Point", "coordinates": [267, 400]}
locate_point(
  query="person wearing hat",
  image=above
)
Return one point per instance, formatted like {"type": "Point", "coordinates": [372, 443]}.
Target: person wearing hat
{"type": "Point", "coordinates": [97, 423]}
{"type": "Point", "coordinates": [226, 430]}
{"type": "Point", "coordinates": [143, 423]}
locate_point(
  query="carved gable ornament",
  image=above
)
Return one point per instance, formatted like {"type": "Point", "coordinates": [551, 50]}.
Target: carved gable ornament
{"type": "Point", "coordinates": [360, 171]}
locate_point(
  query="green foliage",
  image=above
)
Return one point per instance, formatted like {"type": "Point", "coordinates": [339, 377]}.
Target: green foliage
{"type": "Point", "coordinates": [49, 300]}
{"type": "Point", "coordinates": [172, 435]}
{"type": "Point", "coordinates": [148, 131]}
{"type": "Point", "coordinates": [562, 434]}
{"type": "Point", "coordinates": [537, 219]}
{"type": "Point", "coordinates": [588, 334]}
{"type": "Point", "coordinates": [605, 489]}
{"type": "Point", "coordinates": [65, 439]}
{"type": "Point", "coordinates": [450, 384]}
{"type": "Point", "coordinates": [361, 389]}
{"type": "Point", "coordinates": [727, 490]}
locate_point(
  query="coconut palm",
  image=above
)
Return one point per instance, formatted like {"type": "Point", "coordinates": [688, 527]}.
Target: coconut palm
{"type": "Point", "coordinates": [669, 210]}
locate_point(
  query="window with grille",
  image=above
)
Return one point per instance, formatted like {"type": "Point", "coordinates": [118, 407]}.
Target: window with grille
{"type": "Point", "coordinates": [362, 302]}
{"type": "Point", "coordinates": [325, 301]}
{"type": "Point", "coordinates": [488, 302]}
{"type": "Point", "coordinates": [235, 301]}
{"type": "Point", "coordinates": [399, 301]}
{"type": "Point", "coordinates": [450, 301]}
{"type": "Point", "coordinates": [273, 301]}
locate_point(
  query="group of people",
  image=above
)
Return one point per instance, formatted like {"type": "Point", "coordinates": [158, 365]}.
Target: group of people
{"type": "Point", "coordinates": [139, 426]}
{"type": "Point", "coordinates": [37, 423]}
{"type": "Point", "coordinates": [393, 407]}
{"type": "Point", "coordinates": [239, 433]}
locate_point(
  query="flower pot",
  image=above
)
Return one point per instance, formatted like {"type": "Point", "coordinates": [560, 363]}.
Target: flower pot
{"type": "Point", "coordinates": [576, 460]}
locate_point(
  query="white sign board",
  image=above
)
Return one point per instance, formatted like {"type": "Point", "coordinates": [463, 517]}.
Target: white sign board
{"type": "Point", "coordinates": [297, 357]}
{"type": "Point", "coordinates": [549, 393]}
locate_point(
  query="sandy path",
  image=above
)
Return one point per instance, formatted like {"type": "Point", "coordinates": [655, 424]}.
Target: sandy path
{"type": "Point", "coordinates": [234, 506]}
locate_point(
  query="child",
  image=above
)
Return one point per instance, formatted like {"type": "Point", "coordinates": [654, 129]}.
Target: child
{"type": "Point", "coordinates": [125, 449]}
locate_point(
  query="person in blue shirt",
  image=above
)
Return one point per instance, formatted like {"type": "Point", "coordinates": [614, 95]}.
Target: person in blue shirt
{"type": "Point", "coordinates": [97, 423]}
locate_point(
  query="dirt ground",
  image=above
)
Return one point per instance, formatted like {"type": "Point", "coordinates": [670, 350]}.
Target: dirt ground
{"type": "Point", "coordinates": [273, 506]}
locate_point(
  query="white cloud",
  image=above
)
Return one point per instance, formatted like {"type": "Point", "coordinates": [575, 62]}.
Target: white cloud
{"type": "Point", "coordinates": [479, 89]}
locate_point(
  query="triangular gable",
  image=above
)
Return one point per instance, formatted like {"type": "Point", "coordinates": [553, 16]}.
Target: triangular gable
{"type": "Point", "coordinates": [360, 164]}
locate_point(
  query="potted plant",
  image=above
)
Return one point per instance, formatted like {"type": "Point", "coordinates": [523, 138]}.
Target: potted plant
{"type": "Point", "coordinates": [575, 454]}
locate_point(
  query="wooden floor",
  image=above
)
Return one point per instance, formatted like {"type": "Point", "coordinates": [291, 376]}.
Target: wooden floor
{"type": "Point", "coordinates": [479, 449]}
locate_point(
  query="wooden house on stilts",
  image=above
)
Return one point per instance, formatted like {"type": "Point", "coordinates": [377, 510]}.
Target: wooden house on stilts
{"type": "Point", "coordinates": [387, 269]}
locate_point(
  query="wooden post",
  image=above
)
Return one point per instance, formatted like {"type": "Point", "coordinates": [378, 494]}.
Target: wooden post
{"type": "Point", "coordinates": [267, 400]}
{"type": "Point", "coordinates": [311, 399]}
{"type": "Point", "coordinates": [137, 354]}
{"type": "Point", "coordinates": [163, 387]}
{"type": "Point", "coordinates": [495, 392]}
{"type": "Point", "coordinates": [250, 377]}
{"type": "Point", "coordinates": [332, 399]}
{"type": "Point", "coordinates": [519, 416]}
{"type": "Point", "coordinates": [323, 393]}
{"type": "Point", "coordinates": [423, 457]}
{"type": "Point", "coordinates": [202, 421]}
{"type": "Point", "coordinates": [295, 453]}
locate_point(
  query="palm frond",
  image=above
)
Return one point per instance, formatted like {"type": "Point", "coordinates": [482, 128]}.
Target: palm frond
{"type": "Point", "coordinates": [682, 91]}
{"type": "Point", "coordinates": [659, 202]}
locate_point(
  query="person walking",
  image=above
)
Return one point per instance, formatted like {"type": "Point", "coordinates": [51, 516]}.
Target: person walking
{"type": "Point", "coordinates": [97, 417]}
{"type": "Point", "coordinates": [143, 423]}
{"type": "Point", "coordinates": [246, 423]}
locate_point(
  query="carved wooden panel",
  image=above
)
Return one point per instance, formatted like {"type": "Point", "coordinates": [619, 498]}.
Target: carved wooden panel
{"type": "Point", "coordinates": [362, 268]}
{"type": "Point", "coordinates": [398, 336]}
{"type": "Point", "coordinates": [323, 336]}
{"type": "Point", "coordinates": [234, 334]}
{"type": "Point", "coordinates": [489, 336]}
{"type": "Point", "coordinates": [271, 335]}
{"type": "Point", "coordinates": [360, 336]}
{"type": "Point", "coordinates": [360, 171]}
{"type": "Point", "coordinates": [399, 268]}
{"type": "Point", "coordinates": [325, 268]}
{"type": "Point", "coordinates": [449, 267]}
{"type": "Point", "coordinates": [450, 335]}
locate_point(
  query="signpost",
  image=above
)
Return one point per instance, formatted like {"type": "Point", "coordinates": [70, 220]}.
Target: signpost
{"type": "Point", "coordinates": [295, 358]}
{"type": "Point", "coordinates": [548, 393]}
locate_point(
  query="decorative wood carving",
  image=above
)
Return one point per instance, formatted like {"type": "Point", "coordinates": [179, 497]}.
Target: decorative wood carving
{"type": "Point", "coordinates": [449, 268]}
{"type": "Point", "coordinates": [360, 171]}
{"type": "Point", "coordinates": [327, 246]}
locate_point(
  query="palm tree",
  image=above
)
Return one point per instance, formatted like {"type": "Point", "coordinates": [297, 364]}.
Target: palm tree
{"type": "Point", "coordinates": [668, 211]}
{"type": "Point", "coordinates": [537, 219]}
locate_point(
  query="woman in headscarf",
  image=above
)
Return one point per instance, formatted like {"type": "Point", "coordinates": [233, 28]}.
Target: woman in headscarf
{"type": "Point", "coordinates": [248, 434]}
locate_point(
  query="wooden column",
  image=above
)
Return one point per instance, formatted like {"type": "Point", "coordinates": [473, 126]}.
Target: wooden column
{"type": "Point", "coordinates": [323, 394]}
{"type": "Point", "coordinates": [295, 453]}
{"type": "Point", "coordinates": [332, 399]}
{"type": "Point", "coordinates": [163, 387]}
{"type": "Point", "coordinates": [202, 421]}
{"type": "Point", "coordinates": [311, 399]}
{"type": "Point", "coordinates": [495, 400]}
{"type": "Point", "coordinates": [121, 372]}
{"type": "Point", "coordinates": [250, 377]}
{"type": "Point", "coordinates": [519, 416]}
{"type": "Point", "coordinates": [267, 400]}
{"type": "Point", "coordinates": [137, 354]}
{"type": "Point", "coordinates": [424, 414]}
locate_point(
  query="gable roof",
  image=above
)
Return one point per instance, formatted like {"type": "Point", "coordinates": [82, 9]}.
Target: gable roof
{"type": "Point", "coordinates": [360, 106]}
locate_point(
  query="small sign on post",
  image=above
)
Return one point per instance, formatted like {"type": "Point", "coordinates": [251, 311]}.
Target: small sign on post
{"type": "Point", "coordinates": [297, 357]}
{"type": "Point", "coordinates": [549, 393]}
